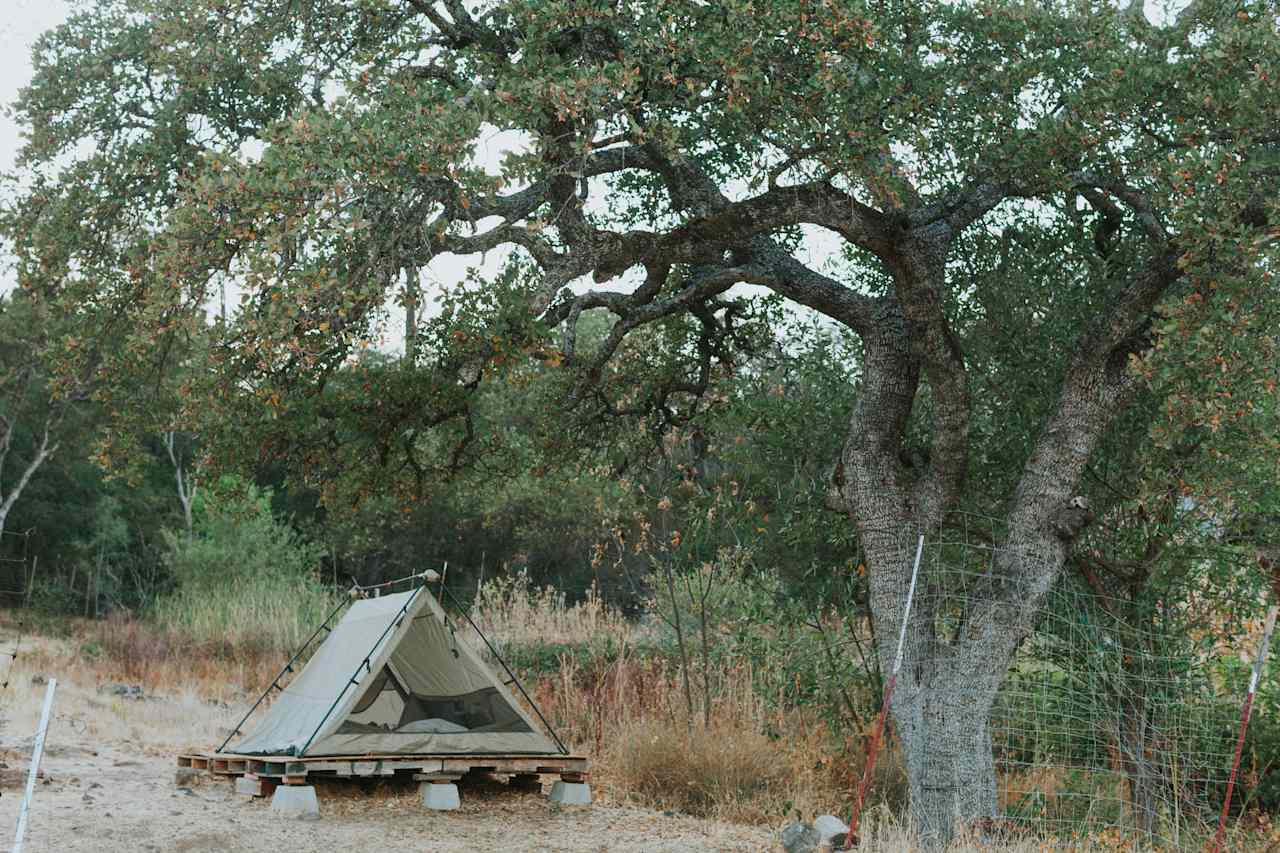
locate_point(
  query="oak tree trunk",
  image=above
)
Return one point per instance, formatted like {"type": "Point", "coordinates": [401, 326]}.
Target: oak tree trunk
{"type": "Point", "coordinates": [948, 685]}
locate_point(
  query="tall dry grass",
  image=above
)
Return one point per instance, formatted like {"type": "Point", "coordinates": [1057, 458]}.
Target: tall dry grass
{"type": "Point", "coordinates": [748, 762]}
{"type": "Point", "coordinates": [127, 650]}
{"type": "Point", "coordinates": [511, 611]}
{"type": "Point", "coordinates": [189, 702]}
{"type": "Point", "coordinates": [271, 614]}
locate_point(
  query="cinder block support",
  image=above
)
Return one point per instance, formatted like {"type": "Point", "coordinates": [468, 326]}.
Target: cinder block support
{"type": "Point", "coordinates": [254, 786]}
{"type": "Point", "coordinates": [295, 801]}
{"type": "Point", "coordinates": [439, 796]}
{"type": "Point", "coordinates": [571, 793]}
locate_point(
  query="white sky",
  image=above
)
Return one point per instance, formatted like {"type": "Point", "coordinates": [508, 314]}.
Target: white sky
{"type": "Point", "coordinates": [21, 22]}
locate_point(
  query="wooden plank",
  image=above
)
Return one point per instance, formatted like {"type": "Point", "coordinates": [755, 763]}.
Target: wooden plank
{"type": "Point", "coordinates": [369, 768]}
{"type": "Point", "coordinates": [514, 765]}
{"type": "Point", "coordinates": [383, 764]}
{"type": "Point", "coordinates": [436, 777]}
{"type": "Point", "coordinates": [480, 757]}
{"type": "Point", "coordinates": [425, 765]}
{"type": "Point", "coordinates": [463, 765]}
{"type": "Point", "coordinates": [325, 766]}
{"type": "Point", "coordinates": [267, 768]}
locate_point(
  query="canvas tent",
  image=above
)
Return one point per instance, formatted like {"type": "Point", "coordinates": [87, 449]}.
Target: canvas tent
{"type": "Point", "coordinates": [392, 678]}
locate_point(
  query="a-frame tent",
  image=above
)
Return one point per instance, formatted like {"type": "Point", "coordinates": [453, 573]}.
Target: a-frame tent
{"type": "Point", "coordinates": [393, 679]}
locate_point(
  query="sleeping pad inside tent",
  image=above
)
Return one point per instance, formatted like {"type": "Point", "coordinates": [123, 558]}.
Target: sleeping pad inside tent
{"type": "Point", "coordinates": [393, 678]}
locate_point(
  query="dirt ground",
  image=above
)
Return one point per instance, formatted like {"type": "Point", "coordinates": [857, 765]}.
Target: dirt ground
{"type": "Point", "coordinates": [116, 800]}
{"type": "Point", "coordinates": [109, 785]}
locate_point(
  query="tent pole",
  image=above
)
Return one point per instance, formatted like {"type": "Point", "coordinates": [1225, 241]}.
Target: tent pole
{"type": "Point", "coordinates": [395, 623]}
{"type": "Point", "coordinates": [563, 749]}
{"type": "Point", "coordinates": [275, 682]}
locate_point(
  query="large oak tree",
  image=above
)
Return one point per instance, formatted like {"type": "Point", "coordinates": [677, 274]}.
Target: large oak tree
{"type": "Point", "coordinates": [982, 176]}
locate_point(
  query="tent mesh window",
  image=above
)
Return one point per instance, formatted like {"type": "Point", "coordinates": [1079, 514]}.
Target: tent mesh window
{"type": "Point", "coordinates": [388, 707]}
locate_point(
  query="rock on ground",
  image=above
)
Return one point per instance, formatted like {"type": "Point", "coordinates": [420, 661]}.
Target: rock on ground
{"type": "Point", "coordinates": [800, 838]}
{"type": "Point", "coordinates": [831, 830]}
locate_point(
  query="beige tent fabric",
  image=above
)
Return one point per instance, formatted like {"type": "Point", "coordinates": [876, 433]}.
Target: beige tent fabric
{"type": "Point", "coordinates": [417, 689]}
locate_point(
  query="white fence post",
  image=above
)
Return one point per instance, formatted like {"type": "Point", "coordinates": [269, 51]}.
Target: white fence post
{"type": "Point", "coordinates": [37, 750]}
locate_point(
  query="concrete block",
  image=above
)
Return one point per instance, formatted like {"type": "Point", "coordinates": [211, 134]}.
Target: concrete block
{"type": "Point", "coordinates": [800, 838]}
{"type": "Point", "coordinates": [186, 777]}
{"type": "Point", "coordinates": [254, 786]}
{"type": "Point", "coordinates": [571, 793]}
{"type": "Point", "coordinates": [439, 796]}
{"type": "Point", "coordinates": [296, 801]}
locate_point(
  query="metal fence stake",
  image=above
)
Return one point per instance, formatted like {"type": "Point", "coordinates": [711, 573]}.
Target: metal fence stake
{"type": "Point", "coordinates": [36, 752]}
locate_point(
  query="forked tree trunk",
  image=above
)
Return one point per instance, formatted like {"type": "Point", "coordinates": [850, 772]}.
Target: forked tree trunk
{"type": "Point", "coordinates": [948, 684]}
{"type": "Point", "coordinates": [891, 491]}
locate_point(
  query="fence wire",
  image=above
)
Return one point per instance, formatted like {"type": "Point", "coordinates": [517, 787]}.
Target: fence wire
{"type": "Point", "coordinates": [1118, 714]}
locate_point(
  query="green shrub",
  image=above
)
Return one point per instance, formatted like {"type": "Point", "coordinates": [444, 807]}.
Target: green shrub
{"type": "Point", "coordinates": [243, 578]}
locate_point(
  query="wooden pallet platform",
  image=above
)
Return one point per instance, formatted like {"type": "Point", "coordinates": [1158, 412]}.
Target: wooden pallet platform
{"type": "Point", "coordinates": [289, 770]}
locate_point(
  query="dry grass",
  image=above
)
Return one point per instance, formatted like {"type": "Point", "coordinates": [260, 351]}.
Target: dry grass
{"type": "Point", "coordinates": [511, 611]}
{"type": "Point", "coordinates": [748, 763]}
{"type": "Point", "coordinates": [120, 650]}
{"type": "Point", "coordinates": [273, 614]}
{"type": "Point", "coordinates": [688, 769]}
{"type": "Point", "coordinates": [195, 706]}
{"type": "Point", "coordinates": [632, 717]}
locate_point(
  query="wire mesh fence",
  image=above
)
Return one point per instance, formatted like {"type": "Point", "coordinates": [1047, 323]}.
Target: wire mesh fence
{"type": "Point", "coordinates": [1103, 723]}
{"type": "Point", "coordinates": [15, 565]}
{"type": "Point", "coordinates": [1118, 713]}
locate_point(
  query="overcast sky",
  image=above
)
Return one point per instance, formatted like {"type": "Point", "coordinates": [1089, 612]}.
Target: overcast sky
{"type": "Point", "coordinates": [20, 23]}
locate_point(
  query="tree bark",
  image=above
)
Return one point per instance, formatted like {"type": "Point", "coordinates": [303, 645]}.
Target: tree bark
{"type": "Point", "coordinates": [43, 452]}
{"type": "Point", "coordinates": [186, 486]}
{"type": "Point", "coordinates": [948, 686]}
{"type": "Point", "coordinates": [950, 764]}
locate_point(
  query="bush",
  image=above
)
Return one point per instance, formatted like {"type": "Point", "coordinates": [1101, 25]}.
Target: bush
{"type": "Point", "coordinates": [243, 578]}
{"type": "Point", "coordinates": [690, 770]}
